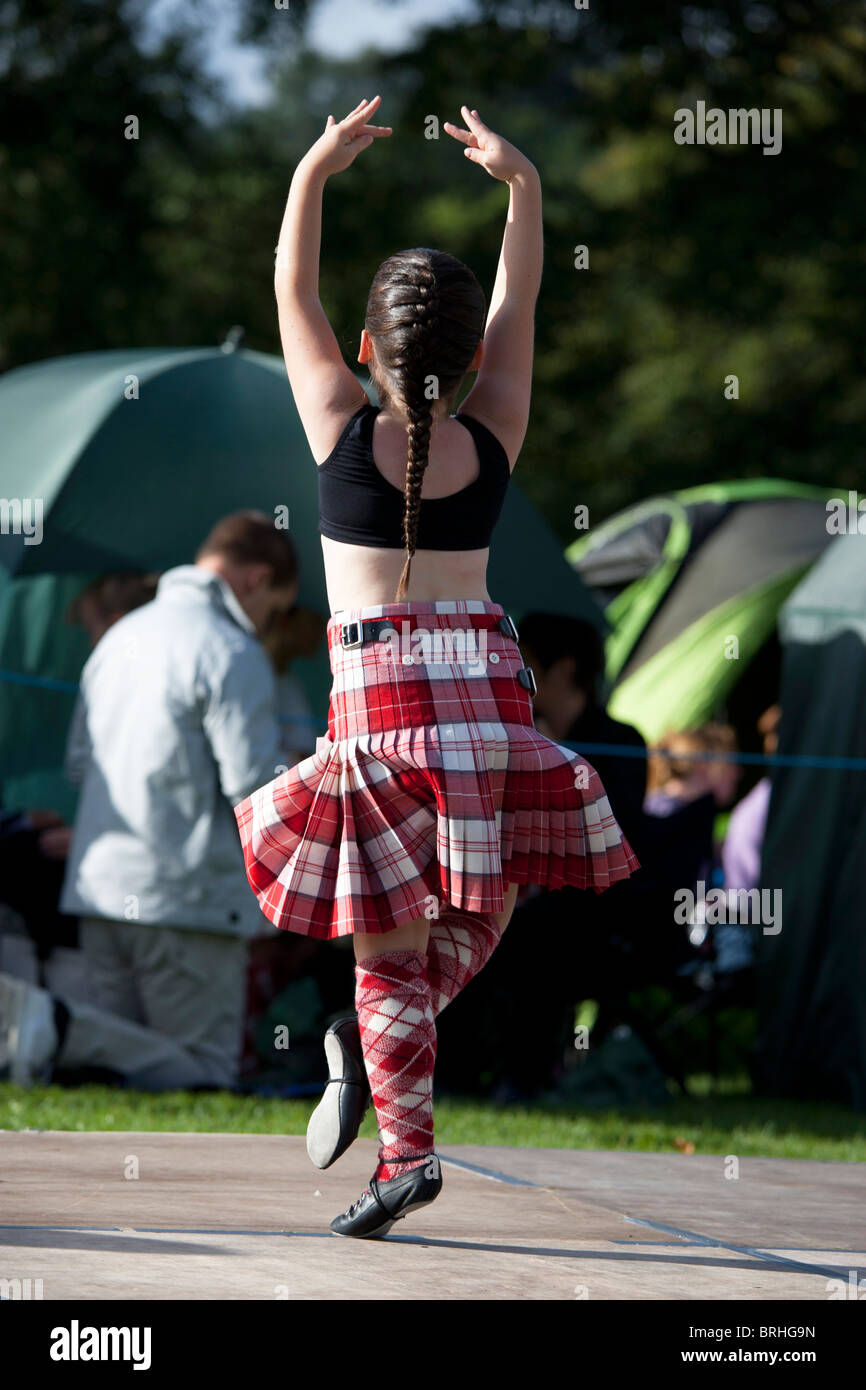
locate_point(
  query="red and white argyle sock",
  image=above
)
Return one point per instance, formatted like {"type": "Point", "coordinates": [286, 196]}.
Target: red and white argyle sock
{"type": "Point", "coordinates": [398, 1039]}
{"type": "Point", "coordinates": [460, 943]}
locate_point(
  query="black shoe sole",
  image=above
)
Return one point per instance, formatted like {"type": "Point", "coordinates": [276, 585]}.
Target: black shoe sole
{"type": "Point", "coordinates": [335, 1122]}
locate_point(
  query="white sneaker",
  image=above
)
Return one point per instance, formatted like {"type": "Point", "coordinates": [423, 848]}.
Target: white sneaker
{"type": "Point", "coordinates": [28, 1037]}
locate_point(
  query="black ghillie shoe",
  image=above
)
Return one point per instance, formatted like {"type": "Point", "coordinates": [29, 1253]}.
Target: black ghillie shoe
{"type": "Point", "coordinates": [335, 1122]}
{"type": "Point", "coordinates": [375, 1211]}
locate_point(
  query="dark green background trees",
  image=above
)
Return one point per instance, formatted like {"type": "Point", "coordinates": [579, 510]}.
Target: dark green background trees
{"type": "Point", "coordinates": [703, 261]}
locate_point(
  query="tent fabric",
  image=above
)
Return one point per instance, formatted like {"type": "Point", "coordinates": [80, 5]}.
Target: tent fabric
{"type": "Point", "coordinates": [749, 548]}
{"type": "Point", "coordinates": [34, 640]}
{"type": "Point", "coordinates": [831, 600]}
{"type": "Point", "coordinates": [623, 549]}
{"type": "Point", "coordinates": [634, 551]}
{"type": "Point", "coordinates": [682, 685]}
{"type": "Point", "coordinates": [710, 562]}
{"type": "Point", "coordinates": [811, 1040]}
{"type": "Point", "coordinates": [136, 483]}
{"type": "Point", "coordinates": [632, 609]}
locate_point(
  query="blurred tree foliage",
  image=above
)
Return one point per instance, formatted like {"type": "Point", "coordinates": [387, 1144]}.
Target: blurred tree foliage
{"type": "Point", "coordinates": [704, 261]}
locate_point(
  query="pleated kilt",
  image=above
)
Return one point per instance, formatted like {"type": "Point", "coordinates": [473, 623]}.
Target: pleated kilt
{"type": "Point", "coordinates": [431, 787]}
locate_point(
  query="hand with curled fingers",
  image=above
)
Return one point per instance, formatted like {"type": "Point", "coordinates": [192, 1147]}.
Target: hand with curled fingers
{"type": "Point", "coordinates": [483, 146]}
{"type": "Point", "coordinates": [342, 141]}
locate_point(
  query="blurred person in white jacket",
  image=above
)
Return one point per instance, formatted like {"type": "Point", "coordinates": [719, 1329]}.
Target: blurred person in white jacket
{"type": "Point", "coordinates": [34, 841]}
{"type": "Point", "coordinates": [177, 723]}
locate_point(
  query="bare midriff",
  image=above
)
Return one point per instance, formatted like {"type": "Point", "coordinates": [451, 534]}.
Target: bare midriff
{"type": "Point", "coordinates": [359, 576]}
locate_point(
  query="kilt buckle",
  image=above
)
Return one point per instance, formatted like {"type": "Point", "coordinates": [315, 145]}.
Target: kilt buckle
{"type": "Point", "coordinates": [507, 626]}
{"type": "Point", "coordinates": [345, 630]}
{"type": "Point", "coordinates": [526, 676]}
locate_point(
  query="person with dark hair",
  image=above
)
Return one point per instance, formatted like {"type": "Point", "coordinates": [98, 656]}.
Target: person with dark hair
{"type": "Point", "coordinates": [433, 796]}
{"type": "Point", "coordinates": [567, 656]}
{"type": "Point", "coordinates": [734, 942]}
{"type": "Point", "coordinates": [178, 722]}
{"type": "Point", "coordinates": [257, 558]}
{"type": "Point", "coordinates": [109, 597]}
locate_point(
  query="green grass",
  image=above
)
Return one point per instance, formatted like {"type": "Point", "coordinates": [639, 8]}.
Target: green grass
{"type": "Point", "coordinates": [720, 1119]}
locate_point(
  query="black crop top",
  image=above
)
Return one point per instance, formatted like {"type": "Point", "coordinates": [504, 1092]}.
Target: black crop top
{"type": "Point", "coordinates": [358, 505]}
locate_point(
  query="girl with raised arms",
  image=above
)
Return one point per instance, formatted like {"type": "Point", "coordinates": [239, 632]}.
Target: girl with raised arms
{"type": "Point", "coordinates": [432, 797]}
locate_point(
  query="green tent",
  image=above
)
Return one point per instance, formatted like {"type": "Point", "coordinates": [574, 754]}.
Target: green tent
{"type": "Point", "coordinates": [132, 456]}
{"type": "Point", "coordinates": [691, 583]}
{"type": "Point", "coordinates": [812, 975]}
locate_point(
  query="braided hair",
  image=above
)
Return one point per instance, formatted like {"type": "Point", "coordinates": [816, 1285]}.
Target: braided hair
{"type": "Point", "coordinates": [425, 317]}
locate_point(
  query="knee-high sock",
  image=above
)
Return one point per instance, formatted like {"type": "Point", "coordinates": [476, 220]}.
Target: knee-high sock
{"type": "Point", "coordinates": [460, 943]}
{"type": "Point", "coordinates": [398, 1038]}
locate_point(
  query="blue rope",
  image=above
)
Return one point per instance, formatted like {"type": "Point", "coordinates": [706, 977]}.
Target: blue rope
{"type": "Point", "coordinates": [612, 750]}
{"type": "Point", "coordinates": [754, 759]}
{"type": "Point", "coordinates": [40, 682]}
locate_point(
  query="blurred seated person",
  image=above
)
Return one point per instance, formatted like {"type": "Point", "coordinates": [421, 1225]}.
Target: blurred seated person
{"type": "Point", "coordinates": [34, 843]}
{"type": "Point", "coordinates": [741, 862]}
{"type": "Point", "coordinates": [31, 877]}
{"type": "Point", "coordinates": [686, 794]}
{"type": "Point", "coordinates": [676, 779]}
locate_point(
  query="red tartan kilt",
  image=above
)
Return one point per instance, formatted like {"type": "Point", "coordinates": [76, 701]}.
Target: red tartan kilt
{"type": "Point", "coordinates": [431, 787]}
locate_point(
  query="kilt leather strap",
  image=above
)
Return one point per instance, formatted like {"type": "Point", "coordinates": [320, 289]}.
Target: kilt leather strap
{"type": "Point", "coordinates": [363, 630]}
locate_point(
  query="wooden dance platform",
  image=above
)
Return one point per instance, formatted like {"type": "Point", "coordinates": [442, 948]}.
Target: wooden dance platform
{"type": "Point", "coordinates": [221, 1216]}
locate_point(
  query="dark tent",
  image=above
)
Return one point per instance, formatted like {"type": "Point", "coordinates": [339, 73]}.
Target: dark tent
{"type": "Point", "coordinates": [812, 974]}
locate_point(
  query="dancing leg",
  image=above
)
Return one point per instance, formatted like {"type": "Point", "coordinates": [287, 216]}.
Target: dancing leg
{"type": "Point", "coordinates": [460, 944]}
{"type": "Point", "coordinates": [398, 994]}
{"type": "Point", "coordinates": [398, 1040]}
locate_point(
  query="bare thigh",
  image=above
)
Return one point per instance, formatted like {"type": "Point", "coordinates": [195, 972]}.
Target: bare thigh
{"type": "Point", "coordinates": [413, 936]}
{"type": "Point", "coordinates": [504, 917]}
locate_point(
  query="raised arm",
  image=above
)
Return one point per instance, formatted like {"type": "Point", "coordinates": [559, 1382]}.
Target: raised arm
{"type": "Point", "coordinates": [326, 391]}
{"type": "Point", "coordinates": [503, 388]}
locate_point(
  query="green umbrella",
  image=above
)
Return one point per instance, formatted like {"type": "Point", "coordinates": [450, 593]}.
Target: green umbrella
{"type": "Point", "coordinates": [132, 455]}
{"type": "Point", "coordinates": [135, 454]}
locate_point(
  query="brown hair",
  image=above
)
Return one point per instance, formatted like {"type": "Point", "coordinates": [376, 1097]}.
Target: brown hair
{"type": "Point", "coordinates": [251, 538]}
{"type": "Point", "coordinates": [675, 762]}
{"type": "Point", "coordinates": [116, 593]}
{"type": "Point", "coordinates": [293, 634]}
{"type": "Point", "coordinates": [425, 317]}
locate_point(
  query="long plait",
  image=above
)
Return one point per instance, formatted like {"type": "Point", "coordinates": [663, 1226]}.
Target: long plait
{"type": "Point", "coordinates": [414, 370]}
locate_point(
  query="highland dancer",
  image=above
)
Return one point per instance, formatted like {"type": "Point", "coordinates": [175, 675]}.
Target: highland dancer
{"type": "Point", "coordinates": [432, 797]}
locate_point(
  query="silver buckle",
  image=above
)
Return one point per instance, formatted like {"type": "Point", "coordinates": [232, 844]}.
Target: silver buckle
{"type": "Point", "coordinates": [345, 628]}
{"type": "Point", "coordinates": [527, 679]}
{"type": "Point", "coordinates": [507, 626]}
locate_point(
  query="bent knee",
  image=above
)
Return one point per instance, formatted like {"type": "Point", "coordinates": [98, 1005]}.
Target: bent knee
{"type": "Point", "coordinates": [411, 936]}
{"type": "Point", "coordinates": [510, 895]}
